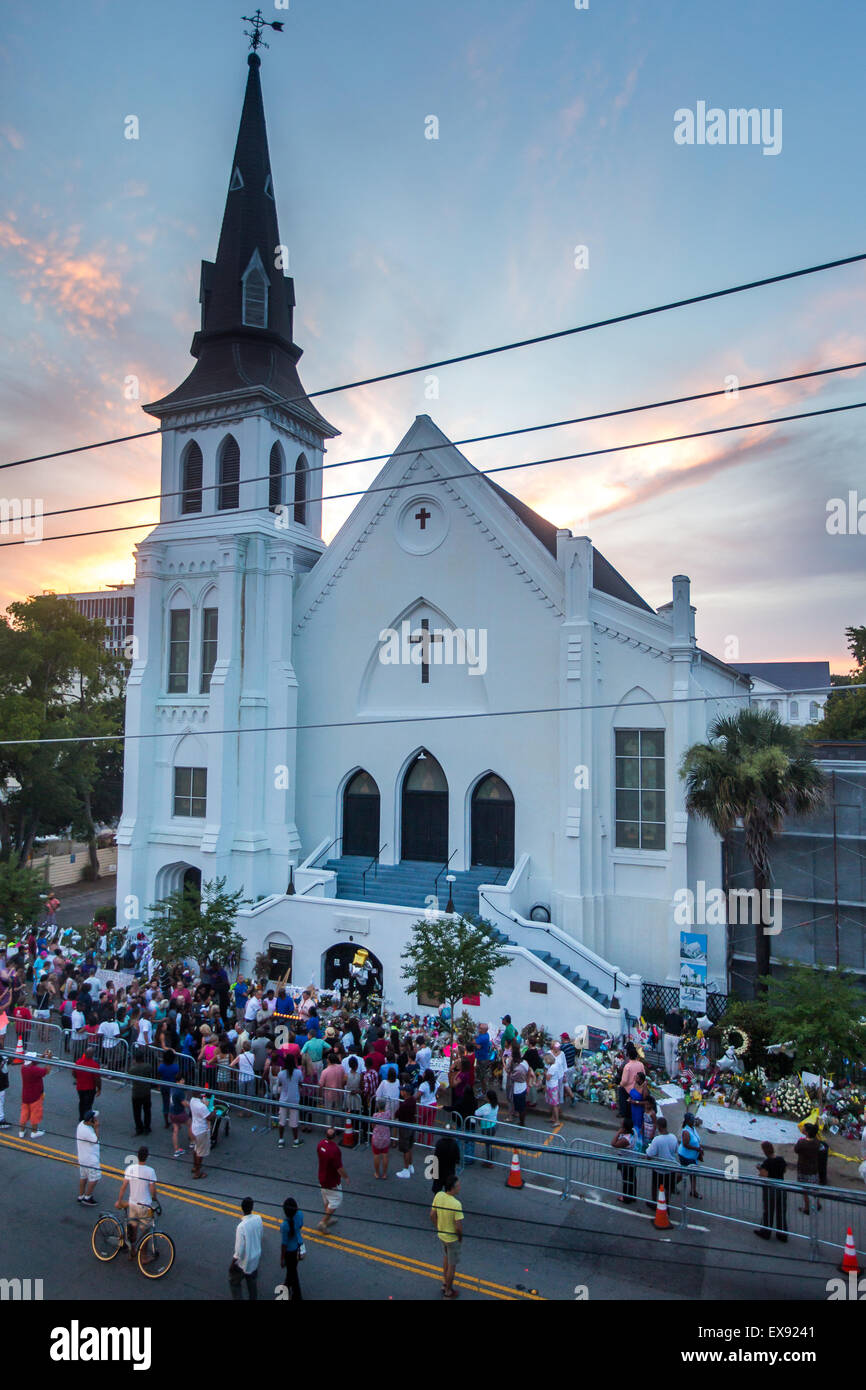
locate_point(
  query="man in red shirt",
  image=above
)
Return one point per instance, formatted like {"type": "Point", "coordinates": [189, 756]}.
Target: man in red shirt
{"type": "Point", "coordinates": [331, 1175]}
{"type": "Point", "coordinates": [32, 1098]}
{"type": "Point", "coordinates": [87, 1082]}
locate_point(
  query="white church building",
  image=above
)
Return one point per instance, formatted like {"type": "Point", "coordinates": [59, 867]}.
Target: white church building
{"type": "Point", "coordinates": [451, 687]}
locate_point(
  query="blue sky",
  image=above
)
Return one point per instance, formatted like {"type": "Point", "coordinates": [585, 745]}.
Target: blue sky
{"type": "Point", "coordinates": [555, 130]}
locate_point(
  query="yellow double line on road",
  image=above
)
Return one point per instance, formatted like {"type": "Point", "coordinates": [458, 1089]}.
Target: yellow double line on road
{"type": "Point", "coordinates": [223, 1207]}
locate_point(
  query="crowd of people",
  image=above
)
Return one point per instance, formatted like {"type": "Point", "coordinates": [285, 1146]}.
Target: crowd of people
{"type": "Point", "coordinates": [184, 1035]}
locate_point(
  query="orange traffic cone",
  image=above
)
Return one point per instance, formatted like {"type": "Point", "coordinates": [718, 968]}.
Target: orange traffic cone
{"type": "Point", "coordinates": [661, 1220]}
{"type": "Point", "coordinates": [849, 1263]}
{"type": "Point", "coordinates": [19, 1052]}
{"type": "Point", "coordinates": [348, 1139]}
{"type": "Point", "coordinates": [514, 1178]}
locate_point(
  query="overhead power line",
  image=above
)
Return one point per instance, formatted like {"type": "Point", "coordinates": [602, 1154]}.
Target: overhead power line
{"type": "Point", "coordinates": [473, 473]}
{"type": "Point", "coordinates": [472, 439]}
{"type": "Point", "coordinates": [485, 352]}
{"type": "Point", "coordinates": [424, 718]}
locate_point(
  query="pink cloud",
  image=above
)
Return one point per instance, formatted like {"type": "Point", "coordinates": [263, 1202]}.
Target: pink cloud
{"type": "Point", "coordinates": [54, 274]}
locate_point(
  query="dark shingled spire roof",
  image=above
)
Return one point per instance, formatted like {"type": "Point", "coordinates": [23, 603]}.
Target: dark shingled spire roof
{"type": "Point", "coordinates": [604, 577]}
{"type": "Point", "coordinates": [233, 356]}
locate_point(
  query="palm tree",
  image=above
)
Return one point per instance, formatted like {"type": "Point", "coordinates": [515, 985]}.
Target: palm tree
{"type": "Point", "coordinates": [755, 769]}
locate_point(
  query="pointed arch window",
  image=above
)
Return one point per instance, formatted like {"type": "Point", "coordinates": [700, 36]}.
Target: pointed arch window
{"type": "Point", "coordinates": [255, 293]}
{"type": "Point", "coordinates": [276, 473]}
{"type": "Point", "coordinates": [301, 472]}
{"type": "Point", "coordinates": [229, 474]}
{"type": "Point", "coordinates": [191, 478]}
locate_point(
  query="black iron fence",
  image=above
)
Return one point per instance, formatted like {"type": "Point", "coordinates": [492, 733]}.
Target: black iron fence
{"type": "Point", "coordinates": [657, 1000]}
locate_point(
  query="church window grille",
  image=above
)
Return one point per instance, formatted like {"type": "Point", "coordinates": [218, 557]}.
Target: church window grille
{"type": "Point", "coordinates": [230, 472]}
{"type": "Point", "coordinates": [301, 470]}
{"type": "Point", "coordinates": [190, 792]}
{"type": "Point", "coordinates": [814, 710]}
{"type": "Point", "coordinates": [191, 482]}
{"type": "Point", "coordinates": [209, 633]}
{"type": "Point", "coordinates": [178, 652]}
{"type": "Point", "coordinates": [795, 710]}
{"type": "Point", "coordinates": [275, 478]}
{"type": "Point", "coordinates": [254, 308]}
{"type": "Point", "coordinates": [640, 789]}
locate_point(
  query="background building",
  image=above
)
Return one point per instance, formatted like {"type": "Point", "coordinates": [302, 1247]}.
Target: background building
{"type": "Point", "coordinates": [115, 606]}
{"type": "Point", "coordinates": [794, 690]}
{"type": "Point", "coordinates": [819, 864]}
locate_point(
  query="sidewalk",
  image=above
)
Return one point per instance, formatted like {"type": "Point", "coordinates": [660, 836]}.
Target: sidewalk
{"type": "Point", "coordinates": [599, 1123]}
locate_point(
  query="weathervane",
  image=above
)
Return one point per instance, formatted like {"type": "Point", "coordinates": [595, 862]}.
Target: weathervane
{"type": "Point", "coordinates": [259, 23]}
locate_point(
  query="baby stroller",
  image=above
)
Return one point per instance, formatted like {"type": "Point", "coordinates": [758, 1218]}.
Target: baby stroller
{"type": "Point", "coordinates": [221, 1122]}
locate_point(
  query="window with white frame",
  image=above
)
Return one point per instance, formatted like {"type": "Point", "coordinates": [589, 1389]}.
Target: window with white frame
{"type": "Point", "coordinates": [640, 788]}
{"type": "Point", "coordinates": [255, 294]}
{"type": "Point", "coordinates": [209, 640]}
{"type": "Point", "coordinates": [178, 652]}
{"type": "Point", "coordinates": [190, 792]}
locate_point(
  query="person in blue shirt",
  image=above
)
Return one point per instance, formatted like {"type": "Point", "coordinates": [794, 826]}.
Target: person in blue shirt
{"type": "Point", "coordinates": [242, 994]}
{"type": "Point", "coordinates": [482, 1056]}
{"type": "Point", "coordinates": [291, 1244]}
{"type": "Point", "coordinates": [167, 1072]}
{"type": "Point", "coordinates": [690, 1150]}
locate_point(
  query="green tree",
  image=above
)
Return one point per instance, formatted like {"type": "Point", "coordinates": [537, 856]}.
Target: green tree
{"type": "Point", "coordinates": [22, 894]}
{"type": "Point", "coordinates": [451, 956]}
{"type": "Point", "coordinates": [56, 682]}
{"type": "Point", "coordinates": [757, 770]}
{"type": "Point", "coordinates": [820, 1009]}
{"type": "Point", "coordinates": [197, 925]}
{"type": "Point", "coordinates": [845, 710]}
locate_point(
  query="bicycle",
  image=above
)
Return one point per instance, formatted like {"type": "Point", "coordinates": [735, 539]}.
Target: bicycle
{"type": "Point", "coordinates": [154, 1251]}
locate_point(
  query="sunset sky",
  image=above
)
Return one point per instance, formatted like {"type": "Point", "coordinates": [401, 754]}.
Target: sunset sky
{"type": "Point", "coordinates": [555, 130]}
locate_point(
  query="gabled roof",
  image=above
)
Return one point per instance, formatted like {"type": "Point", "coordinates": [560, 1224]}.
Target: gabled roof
{"type": "Point", "coordinates": [787, 675]}
{"type": "Point", "coordinates": [605, 578]}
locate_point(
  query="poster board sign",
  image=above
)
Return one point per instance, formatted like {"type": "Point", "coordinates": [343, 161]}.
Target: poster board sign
{"type": "Point", "coordinates": [121, 979]}
{"type": "Point", "coordinates": [693, 971]}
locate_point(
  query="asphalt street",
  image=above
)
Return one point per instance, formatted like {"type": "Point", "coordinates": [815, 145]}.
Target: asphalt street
{"type": "Point", "coordinates": [519, 1244]}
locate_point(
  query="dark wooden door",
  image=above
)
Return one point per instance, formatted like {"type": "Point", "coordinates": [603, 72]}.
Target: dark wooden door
{"type": "Point", "coordinates": [425, 826]}
{"type": "Point", "coordinates": [360, 824]}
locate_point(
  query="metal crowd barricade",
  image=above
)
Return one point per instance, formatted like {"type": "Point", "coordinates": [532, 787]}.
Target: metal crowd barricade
{"type": "Point", "coordinates": [112, 1054]}
{"type": "Point", "coordinates": [186, 1065]}
{"type": "Point", "coordinates": [36, 1034]}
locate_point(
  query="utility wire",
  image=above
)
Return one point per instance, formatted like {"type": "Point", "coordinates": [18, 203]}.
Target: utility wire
{"type": "Point", "coordinates": [417, 718]}
{"type": "Point", "coordinates": [487, 352]}
{"type": "Point", "coordinates": [473, 473]}
{"type": "Point", "coordinates": [460, 443]}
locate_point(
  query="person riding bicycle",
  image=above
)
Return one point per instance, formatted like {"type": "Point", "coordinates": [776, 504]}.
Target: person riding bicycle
{"type": "Point", "coordinates": [140, 1179]}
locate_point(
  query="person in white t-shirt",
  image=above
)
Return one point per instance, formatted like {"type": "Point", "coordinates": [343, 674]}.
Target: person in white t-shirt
{"type": "Point", "coordinates": [89, 1168]}
{"type": "Point", "coordinates": [145, 1031]}
{"type": "Point", "coordinates": [138, 1190]}
{"type": "Point", "coordinates": [200, 1120]}
{"type": "Point", "coordinates": [423, 1056]}
{"type": "Point", "coordinates": [109, 1031]}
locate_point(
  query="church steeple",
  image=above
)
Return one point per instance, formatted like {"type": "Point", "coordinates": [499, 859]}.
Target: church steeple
{"type": "Point", "coordinates": [249, 244]}
{"type": "Point", "coordinates": [246, 336]}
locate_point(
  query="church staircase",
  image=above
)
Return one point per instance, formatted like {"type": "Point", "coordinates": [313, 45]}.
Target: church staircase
{"type": "Point", "coordinates": [556, 964]}
{"type": "Point", "coordinates": [409, 883]}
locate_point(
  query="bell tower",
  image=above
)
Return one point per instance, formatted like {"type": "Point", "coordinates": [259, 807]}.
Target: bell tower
{"type": "Point", "coordinates": [209, 781]}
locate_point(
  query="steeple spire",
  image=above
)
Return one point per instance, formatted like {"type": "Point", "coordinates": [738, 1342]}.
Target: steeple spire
{"type": "Point", "coordinates": [246, 335]}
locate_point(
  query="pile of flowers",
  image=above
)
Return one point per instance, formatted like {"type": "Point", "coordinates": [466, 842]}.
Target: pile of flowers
{"type": "Point", "coordinates": [792, 1098]}
{"type": "Point", "coordinates": [844, 1108]}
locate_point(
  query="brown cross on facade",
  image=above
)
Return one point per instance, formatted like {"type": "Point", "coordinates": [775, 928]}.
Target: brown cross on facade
{"type": "Point", "coordinates": [423, 516]}
{"type": "Point", "coordinates": [425, 637]}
